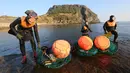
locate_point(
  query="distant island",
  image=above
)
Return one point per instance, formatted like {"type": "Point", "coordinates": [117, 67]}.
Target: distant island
{"type": "Point", "coordinates": [59, 15]}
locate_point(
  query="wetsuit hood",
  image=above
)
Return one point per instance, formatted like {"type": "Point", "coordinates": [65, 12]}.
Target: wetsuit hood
{"type": "Point", "coordinates": [111, 18]}
{"type": "Point", "coordinates": [31, 13]}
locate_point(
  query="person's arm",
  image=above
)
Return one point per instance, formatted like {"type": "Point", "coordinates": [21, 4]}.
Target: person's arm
{"type": "Point", "coordinates": [13, 24]}
{"type": "Point", "coordinates": [104, 27]}
{"type": "Point", "coordinates": [36, 33]}
{"type": "Point", "coordinates": [115, 26]}
{"type": "Point", "coordinates": [13, 30]}
{"type": "Point", "coordinates": [88, 28]}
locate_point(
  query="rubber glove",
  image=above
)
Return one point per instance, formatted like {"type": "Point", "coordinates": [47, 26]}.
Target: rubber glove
{"type": "Point", "coordinates": [19, 36]}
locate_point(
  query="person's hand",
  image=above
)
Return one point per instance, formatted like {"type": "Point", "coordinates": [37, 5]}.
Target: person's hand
{"type": "Point", "coordinates": [39, 46]}
{"type": "Point", "coordinates": [19, 36]}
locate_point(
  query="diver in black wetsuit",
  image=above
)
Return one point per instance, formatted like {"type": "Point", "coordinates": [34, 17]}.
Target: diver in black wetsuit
{"type": "Point", "coordinates": [85, 28]}
{"type": "Point", "coordinates": [26, 25]}
{"type": "Point", "coordinates": [110, 26]}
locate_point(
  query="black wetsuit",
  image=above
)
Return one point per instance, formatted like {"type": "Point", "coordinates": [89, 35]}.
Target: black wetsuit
{"type": "Point", "coordinates": [84, 17]}
{"type": "Point", "coordinates": [111, 29]}
{"type": "Point", "coordinates": [85, 31]}
{"type": "Point", "coordinates": [27, 34]}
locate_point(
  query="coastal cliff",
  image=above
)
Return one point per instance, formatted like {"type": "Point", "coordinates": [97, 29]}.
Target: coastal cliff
{"type": "Point", "coordinates": [59, 15]}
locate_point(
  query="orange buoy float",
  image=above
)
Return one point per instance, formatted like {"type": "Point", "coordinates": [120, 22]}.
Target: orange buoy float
{"type": "Point", "coordinates": [102, 42]}
{"type": "Point", "coordinates": [85, 43]}
{"type": "Point", "coordinates": [61, 48]}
